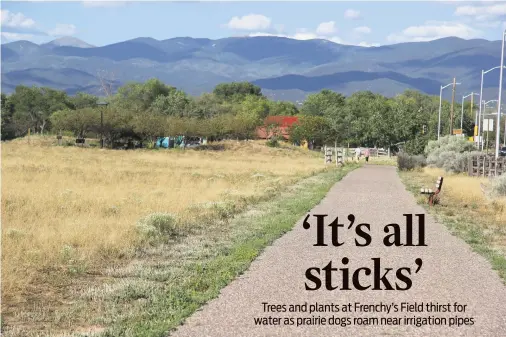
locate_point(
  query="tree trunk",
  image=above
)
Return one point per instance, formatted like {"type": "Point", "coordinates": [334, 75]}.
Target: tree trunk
{"type": "Point", "coordinates": [42, 127]}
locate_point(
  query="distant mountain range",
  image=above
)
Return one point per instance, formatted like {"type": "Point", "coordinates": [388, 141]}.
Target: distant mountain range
{"type": "Point", "coordinates": [285, 68]}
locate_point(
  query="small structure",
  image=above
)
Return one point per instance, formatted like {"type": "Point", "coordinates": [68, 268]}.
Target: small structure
{"type": "Point", "coordinates": [276, 126]}
{"type": "Point", "coordinates": [165, 142]}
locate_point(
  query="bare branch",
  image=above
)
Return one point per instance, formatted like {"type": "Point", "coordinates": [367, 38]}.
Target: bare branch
{"type": "Point", "coordinates": [106, 82]}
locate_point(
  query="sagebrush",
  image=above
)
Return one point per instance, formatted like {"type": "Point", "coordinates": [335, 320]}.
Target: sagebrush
{"type": "Point", "coordinates": [405, 162]}
{"type": "Point", "coordinates": [450, 153]}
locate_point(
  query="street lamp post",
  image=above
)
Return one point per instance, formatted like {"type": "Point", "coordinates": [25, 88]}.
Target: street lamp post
{"type": "Point", "coordinates": [498, 133]}
{"type": "Point", "coordinates": [102, 123]}
{"type": "Point", "coordinates": [483, 72]}
{"type": "Point", "coordinates": [462, 116]}
{"type": "Point", "coordinates": [440, 106]}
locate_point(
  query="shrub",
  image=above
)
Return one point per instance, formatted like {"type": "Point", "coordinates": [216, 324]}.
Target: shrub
{"type": "Point", "coordinates": [406, 162]}
{"type": "Point", "coordinates": [157, 225]}
{"type": "Point", "coordinates": [499, 186]}
{"type": "Point", "coordinates": [420, 160]}
{"type": "Point", "coordinates": [450, 153]}
{"type": "Point", "coordinates": [273, 142]}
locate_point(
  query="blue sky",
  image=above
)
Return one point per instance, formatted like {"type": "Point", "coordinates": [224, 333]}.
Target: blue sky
{"type": "Point", "coordinates": [358, 23]}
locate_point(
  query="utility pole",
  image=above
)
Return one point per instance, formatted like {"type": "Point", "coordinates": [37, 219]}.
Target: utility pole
{"type": "Point", "coordinates": [451, 109]}
{"type": "Point", "coordinates": [472, 107]}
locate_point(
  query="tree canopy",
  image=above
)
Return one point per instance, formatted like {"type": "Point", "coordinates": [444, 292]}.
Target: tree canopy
{"type": "Point", "coordinates": [152, 109]}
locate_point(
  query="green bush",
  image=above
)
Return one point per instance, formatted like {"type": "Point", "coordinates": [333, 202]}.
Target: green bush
{"type": "Point", "coordinates": [157, 225]}
{"type": "Point", "coordinates": [273, 142]}
{"type": "Point", "coordinates": [450, 153]}
{"type": "Point", "coordinates": [406, 162]}
{"type": "Point", "coordinates": [499, 186]}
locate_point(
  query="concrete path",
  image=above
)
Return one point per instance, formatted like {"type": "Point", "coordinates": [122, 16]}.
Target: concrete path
{"type": "Point", "coordinates": [451, 272]}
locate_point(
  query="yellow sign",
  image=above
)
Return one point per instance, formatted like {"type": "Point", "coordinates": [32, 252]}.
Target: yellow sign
{"type": "Point", "coordinates": [457, 131]}
{"type": "Point", "coordinates": [476, 130]}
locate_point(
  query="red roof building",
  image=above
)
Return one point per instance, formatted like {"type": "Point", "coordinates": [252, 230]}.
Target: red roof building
{"type": "Point", "coordinates": [276, 125]}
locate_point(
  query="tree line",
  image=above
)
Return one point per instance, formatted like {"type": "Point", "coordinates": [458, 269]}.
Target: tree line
{"type": "Point", "coordinates": [146, 111]}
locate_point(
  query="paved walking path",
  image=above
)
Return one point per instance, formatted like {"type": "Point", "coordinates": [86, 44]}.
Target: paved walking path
{"type": "Point", "coordinates": [451, 272]}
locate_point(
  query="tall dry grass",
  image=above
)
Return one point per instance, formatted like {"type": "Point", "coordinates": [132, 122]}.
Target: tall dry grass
{"type": "Point", "coordinates": [73, 208]}
{"type": "Point", "coordinates": [470, 191]}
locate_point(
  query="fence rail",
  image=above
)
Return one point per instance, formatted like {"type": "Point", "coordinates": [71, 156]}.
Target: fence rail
{"type": "Point", "coordinates": [486, 166]}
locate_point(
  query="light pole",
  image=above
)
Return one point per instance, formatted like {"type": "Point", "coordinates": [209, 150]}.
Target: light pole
{"type": "Point", "coordinates": [462, 116]}
{"type": "Point", "coordinates": [483, 72]}
{"type": "Point", "coordinates": [102, 123]}
{"type": "Point", "coordinates": [440, 104]}
{"type": "Point", "coordinates": [498, 133]}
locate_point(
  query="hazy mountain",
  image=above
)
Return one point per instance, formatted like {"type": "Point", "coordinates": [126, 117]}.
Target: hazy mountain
{"type": "Point", "coordinates": [284, 68]}
{"type": "Point", "coordinates": [68, 41]}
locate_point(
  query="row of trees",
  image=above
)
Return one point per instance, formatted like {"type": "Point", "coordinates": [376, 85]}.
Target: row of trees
{"type": "Point", "coordinates": [141, 110]}
{"type": "Point", "coordinates": [145, 111]}
{"type": "Point", "coordinates": [368, 119]}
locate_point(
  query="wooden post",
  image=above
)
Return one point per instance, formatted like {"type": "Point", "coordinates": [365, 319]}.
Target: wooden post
{"type": "Point", "coordinates": [451, 108]}
{"type": "Point", "coordinates": [335, 149]}
{"type": "Point", "coordinates": [484, 160]}
{"type": "Point", "coordinates": [28, 135]}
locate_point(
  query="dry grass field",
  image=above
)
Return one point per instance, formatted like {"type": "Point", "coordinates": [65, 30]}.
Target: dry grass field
{"type": "Point", "coordinates": [71, 211]}
{"type": "Point", "coordinates": [471, 191]}
{"type": "Point", "coordinates": [467, 209]}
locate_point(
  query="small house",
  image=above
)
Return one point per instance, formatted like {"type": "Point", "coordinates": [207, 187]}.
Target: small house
{"type": "Point", "coordinates": [276, 126]}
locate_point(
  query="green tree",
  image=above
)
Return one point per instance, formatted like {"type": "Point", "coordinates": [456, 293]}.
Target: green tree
{"type": "Point", "coordinates": [83, 100]}
{"type": "Point", "coordinates": [317, 104]}
{"type": "Point", "coordinates": [80, 121]}
{"type": "Point", "coordinates": [236, 90]}
{"type": "Point", "coordinates": [313, 129]}
{"type": "Point", "coordinates": [33, 106]}
{"type": "Point", "coordinates": [8, 127]}
{"type": "Point", "coordinates": [282, 108]}
{"type": "Point", "coordinates": [175, 103]}
{"type": "Point", "coordinates": [149, 125]}
{"type": "Point", "coordinates": [139, 96]}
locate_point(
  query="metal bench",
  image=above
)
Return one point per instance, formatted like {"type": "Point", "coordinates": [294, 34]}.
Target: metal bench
{"type": "Point", "coordinates": [433, 194]}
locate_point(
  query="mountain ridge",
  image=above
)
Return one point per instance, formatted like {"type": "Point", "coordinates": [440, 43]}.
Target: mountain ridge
{"type": "Point", "coordinates": [198, 64]}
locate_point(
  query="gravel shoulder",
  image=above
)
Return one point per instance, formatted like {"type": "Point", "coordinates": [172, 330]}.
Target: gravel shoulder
{"type": "Point", "coordinates": [451, 272]}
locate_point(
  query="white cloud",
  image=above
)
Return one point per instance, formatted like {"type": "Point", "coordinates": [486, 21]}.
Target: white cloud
{"type": "Point", "coordinates": [434, 30]}
{"type": "Point", "coordinates": [15, 20]}
{"type": "Point", "coordinates": [63, 29]}
{"type": "Point", "coordinates": [16, 36]}
{"type": "Point", "coordinates": [352, 14]}
{"type": "Point", "coordinates": [362, 30]}
{"type": "Point", "coordinates": [366, 44]}
{"type": "Point", "coordinates": [303, 34]}
{"type": "Point", "coordinates": [482, 12]}
{"type": "Point", "coordinates": [103, 4]}
{"type": "Point", "coordinates": [326, 28]}
{"type": "Point", "coordinates": [249, 22]}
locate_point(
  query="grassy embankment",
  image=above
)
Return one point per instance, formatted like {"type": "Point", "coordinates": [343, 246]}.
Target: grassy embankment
{"type": "Point", "coordinates": [467, 211]}
{"type": "Point", "coordinates": [74, 260]}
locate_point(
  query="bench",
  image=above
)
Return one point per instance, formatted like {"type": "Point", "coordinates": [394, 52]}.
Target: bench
{"type": "Point", "coordinates": [433, 194]}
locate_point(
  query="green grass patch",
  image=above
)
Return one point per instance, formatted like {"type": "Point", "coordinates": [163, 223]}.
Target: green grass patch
{"type": "Point", "coordinates": [168, 283]}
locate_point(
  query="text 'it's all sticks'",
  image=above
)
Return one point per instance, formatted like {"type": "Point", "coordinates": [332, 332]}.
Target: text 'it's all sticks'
{"type": "Point", "coordinates": [393, 232]}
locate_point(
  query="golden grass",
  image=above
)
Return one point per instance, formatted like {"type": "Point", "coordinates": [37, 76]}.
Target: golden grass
{"type": "Point", "coordinates": [69, 206]}
{"type": "Point", "coordinates": [468, 191]}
